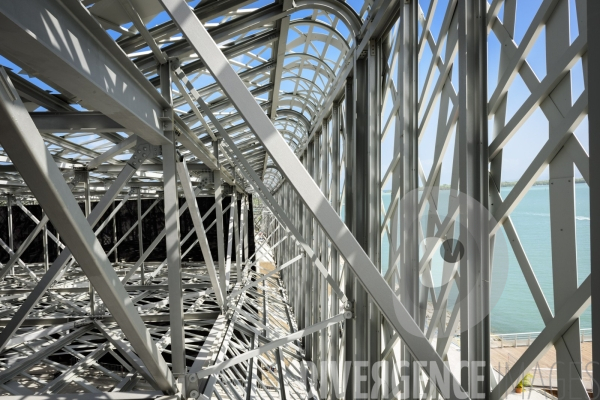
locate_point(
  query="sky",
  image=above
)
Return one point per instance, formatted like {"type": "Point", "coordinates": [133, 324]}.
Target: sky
{"type": "Point", "coordinates": [529, 139]}
{"type": "Point", "coordinates": [523, 147]}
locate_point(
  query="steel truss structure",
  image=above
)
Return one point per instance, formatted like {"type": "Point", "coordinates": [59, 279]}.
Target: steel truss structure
{"type": "Point", "coordinates": [324, 129]}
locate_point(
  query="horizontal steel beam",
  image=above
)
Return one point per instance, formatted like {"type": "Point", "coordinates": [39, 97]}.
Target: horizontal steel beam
{"type": "Point", "coordinates": [220, 33]}
{"type": "Point", "coordinates": [275, 344]}
{"type": "Point", "coordinates": [129, 288]}
{"type": "Point", "coordinates": [78, 121]}
{"type": "Point", "coordinates": [317, 204]}
{"type": "Point", "coordinates": [31, 93]}
{"type": "Point", "coordinates": [95, 396]}
{"type": "Point", "coordinates": [66, 47]}
{"type": "Point", "coordinates": [35, 164]}
{"type": "Point", "coordinates": [206, 10]}
{"type": "Point", "coordinates": [240, 47]}
{"type": "Point", "coordinates": [45, 321]}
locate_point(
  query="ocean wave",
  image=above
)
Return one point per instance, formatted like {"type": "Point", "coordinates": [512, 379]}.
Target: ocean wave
{"type": "Point", "coordinates": [533, 214]}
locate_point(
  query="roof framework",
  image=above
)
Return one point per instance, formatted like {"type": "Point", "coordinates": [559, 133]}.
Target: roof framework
{"type": "Point", "coordinates": [355, 140]}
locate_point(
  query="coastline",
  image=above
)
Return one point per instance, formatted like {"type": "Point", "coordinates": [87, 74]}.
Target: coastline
{"type": "Point", "coordinates": [445, 186]}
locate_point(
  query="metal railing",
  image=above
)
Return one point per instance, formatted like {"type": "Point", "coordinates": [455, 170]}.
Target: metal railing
{"type": "Point", "coordinates": [526, 338]}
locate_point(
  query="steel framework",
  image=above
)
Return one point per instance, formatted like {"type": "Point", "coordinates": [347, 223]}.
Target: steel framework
{"type": "Point", "coordinates": [353, 153]}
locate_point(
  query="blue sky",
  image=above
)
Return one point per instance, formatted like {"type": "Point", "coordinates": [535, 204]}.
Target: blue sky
{"type": "Point", "coordinates": [525, 144]}
{"type": "Point", "coordinates": [531, 136]}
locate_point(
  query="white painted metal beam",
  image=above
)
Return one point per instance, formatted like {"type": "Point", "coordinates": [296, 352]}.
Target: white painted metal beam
{"type": "Point", "coordinates": [66, 47]}
{"type": "Point", "coordinates": [37, 167]}
{"type": "Point", "coordinates": [292, 169]}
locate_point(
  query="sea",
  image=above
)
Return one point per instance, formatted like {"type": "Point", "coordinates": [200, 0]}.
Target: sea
{"type": "Point", "coordinates": [513, 307]}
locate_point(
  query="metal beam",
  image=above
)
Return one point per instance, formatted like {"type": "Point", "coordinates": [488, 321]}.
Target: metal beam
{"type": "Point", "coordinates": [62, 259]}
{"type": "Point", "coordinates": [172, 234]}
{"type": "Point", "coordinates": [269, 346]}
{"type": "Point", "coordinates": [206, 10]}
{"type": "Point", "coordinates": [224, 271]}
{"type": "Point", "coordinates": [593, 35]}
{"type": "Point", "coordinates": [263, 191]}
{"type": "Point", "coordinates": [31, 93]}
{"type": "Point", "coordinates": [64, 45]}
{"type": "Point", "coordinates": [117, 149]}
{"type": "Point", "coordinates": [186, 184]}
{"type": "Point", "coordinates": [240, 47]}
{"type": "Point", "coordinates": [316, 202]}
{"type": "Point", "coordinates": [554, 330]}
{"type": "Point", "coordinates": [220, 33]}
{"type": "Point", "coordinates": [95, 396]}
{"type": "Point", "coordinates": [38, 169]}
{"type": "Point", "coordinates": [25, 364]}
{"type": "Point", "coordinates": [45, 321]}
{"type": "Point", "coordinates": [80, 121]}
{"type": "Point", "coordinates": [279, 56]}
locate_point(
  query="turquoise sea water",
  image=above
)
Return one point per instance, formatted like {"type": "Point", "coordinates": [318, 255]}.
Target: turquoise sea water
{"type": "Point", "coordinates": [514, 309]}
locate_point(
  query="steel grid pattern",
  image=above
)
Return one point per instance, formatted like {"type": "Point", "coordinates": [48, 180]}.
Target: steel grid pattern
{"type": "Point", "coordinates": [405, 115]}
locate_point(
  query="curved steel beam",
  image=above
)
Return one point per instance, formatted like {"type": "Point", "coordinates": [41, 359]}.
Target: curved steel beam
{"type": "Point", "coordinates": [322, 25]}
{"type": "Point", "coordinates": [304, 57]}
{"type": "Point", "coordinates": [296, 114]}
{"type": "Point", "coordinates": [338, 8]}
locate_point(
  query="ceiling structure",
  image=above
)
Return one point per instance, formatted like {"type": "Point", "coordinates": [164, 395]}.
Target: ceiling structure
{"type": "Point", "coordinates": [288, 54]}
{"type": "Point", "coordinates": [354, 140]}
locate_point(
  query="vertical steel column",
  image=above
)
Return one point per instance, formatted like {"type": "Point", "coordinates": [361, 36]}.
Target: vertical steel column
{"type": "Point", "coordinates": [171, 201]}
{"type": "Point", "coordinates": [374, 193]}
{"type": "Point", "coordinates": [242, 241]}
{"type": "Point", "coordinates": [87, 201]}
{"type": "Point", "coordinates": [247, 217]}
{"type": "Point", "coordinates": [395, 234]}
{"type": "Point", "coordinates": [139, 230]}
{"type": "Point", "coordinates": [305, 261]}
{"type": "Point", "coordinates": [409, 181]}
{"type": "Point", "coordinates": [361, 179]}
{"type": "Point", "coordinates": [87, 210]}
{"type": "Point", "coordinates": [324, 297]}
{"type": "Point", "coordinates": [473, 184]}
{"type": "Point", "coordinates": [236, 237]}
{"type": "Point", "coordinates": [115, 238]}
{"type": "Point", "coordinates": [9, 203]}
{"type": "Point", "coordinates": [308, 234]}
{"type": "Point", "coordinates": [294, 288]}
{"type": "Point", "coordinates": [316, 245]}
{"type": "Point", "coordinates": [349, 279]}
{"type": "Point", "coordinates": [252, 369]}
{"type": "Point", "coordinates": [45, 243]}
{"type": "Point", "coordinates": [374, 118]}
{"type": "Point", "coordinates": [223, 273]}
{"type": "Point", "coordinates": [230, 231]}
{"type": "Point", "coordinates": [334, 354]}
{"type": "Point", "coordinates": [563, 229]}
{"type": "Point", "coordinates": [593, 37]}
{"type": "Point", "coordinates": [284, 193]}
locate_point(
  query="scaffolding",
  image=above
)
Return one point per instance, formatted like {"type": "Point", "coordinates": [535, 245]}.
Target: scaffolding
{"type": "Point", "coordinates": [254, 198]}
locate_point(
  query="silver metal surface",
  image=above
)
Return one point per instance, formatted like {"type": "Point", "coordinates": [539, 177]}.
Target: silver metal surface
{"type": "Point", "coordinates": [320, 157]}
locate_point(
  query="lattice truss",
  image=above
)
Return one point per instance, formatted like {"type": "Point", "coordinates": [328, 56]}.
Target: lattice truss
{"type": "Point", "coordinates": [536, 88]}
{"type": "Point", "coordinates": [304, 64]}
{"type": "Point", "coordinates": [516, 93]}
{"type": "Point", "coordinates": [58, 336]}
{"type": "Point", "coordinates": [92, 355]}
